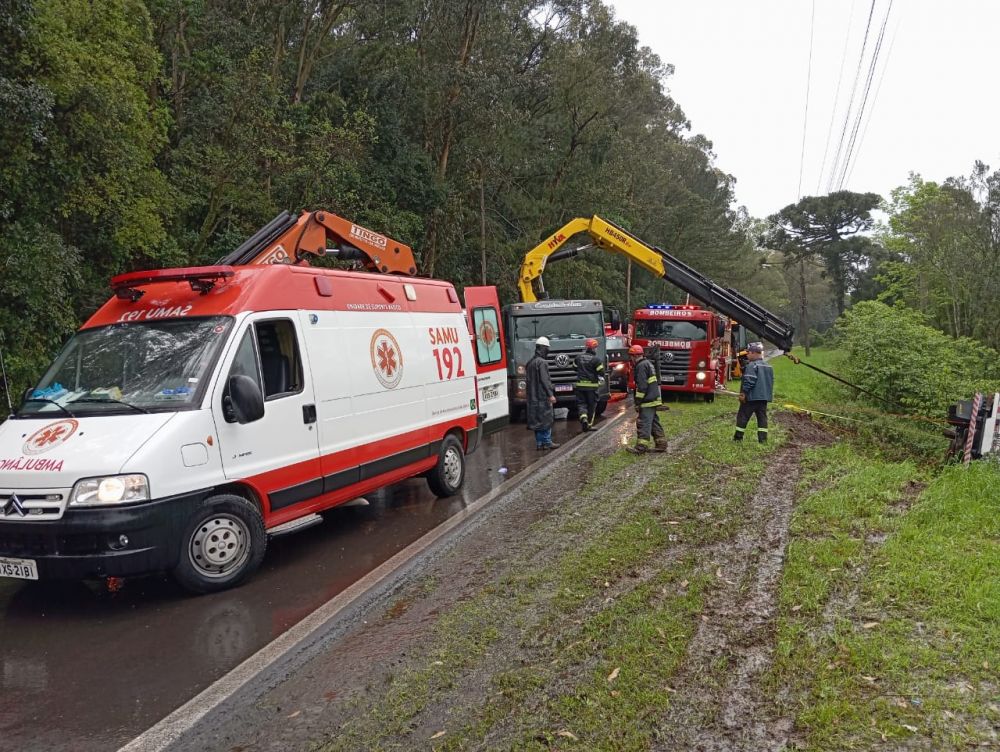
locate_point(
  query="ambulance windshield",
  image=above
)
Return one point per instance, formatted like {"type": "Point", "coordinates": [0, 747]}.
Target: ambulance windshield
{"type": "Point", "coordinates": [131, 367]}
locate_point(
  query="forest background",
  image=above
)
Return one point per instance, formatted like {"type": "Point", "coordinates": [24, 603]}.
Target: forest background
{"type": "Point", "coordinates": [150, 133]}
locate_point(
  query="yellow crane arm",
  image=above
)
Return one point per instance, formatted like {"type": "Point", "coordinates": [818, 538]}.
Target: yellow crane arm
{"type": "Point", "coordinates": [610, 237]}
{"type": "Point", "coordinates": [604, 234]}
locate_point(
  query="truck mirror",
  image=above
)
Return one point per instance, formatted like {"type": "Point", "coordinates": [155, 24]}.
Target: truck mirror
{"type": "Point", "coordinates": [720, 328]}
{"type": "Point", "coordinates": [245, 399]}
{"type": "Point", "coordinates": [616, 320]}
{"type": "Point", "coordinates": [27, 394]}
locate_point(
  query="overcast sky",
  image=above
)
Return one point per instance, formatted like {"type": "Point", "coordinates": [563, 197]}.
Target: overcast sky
{"type": "Point", "coordinates": [741, 80]}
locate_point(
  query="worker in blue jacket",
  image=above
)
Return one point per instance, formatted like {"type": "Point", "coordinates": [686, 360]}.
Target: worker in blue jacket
{"type": "Point", "coordinates": [756, 390]}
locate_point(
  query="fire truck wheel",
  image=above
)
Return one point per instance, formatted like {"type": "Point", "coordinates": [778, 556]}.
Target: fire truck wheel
{"type": "Point", "coordinates": [221, 546]}
{"type": "Point", "coordinates": [710, 397]}
{"type": "Point", "coordinates": [446, 478]}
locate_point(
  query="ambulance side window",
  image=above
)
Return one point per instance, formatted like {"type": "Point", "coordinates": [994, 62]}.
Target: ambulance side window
{"type": "Point", "coordinates": [245, 362]}
{"type": "Point", "coordinates": [280, 363]}
{"type": "Point", "coordinates": [487, 330]}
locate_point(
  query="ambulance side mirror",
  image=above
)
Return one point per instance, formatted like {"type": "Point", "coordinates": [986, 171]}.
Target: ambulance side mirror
{"type": "Point", "coordinates": [244, 403]}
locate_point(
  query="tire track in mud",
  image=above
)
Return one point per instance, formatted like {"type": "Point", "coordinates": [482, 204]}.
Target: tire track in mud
{"type": "Point", "coordinates": [718, 705]}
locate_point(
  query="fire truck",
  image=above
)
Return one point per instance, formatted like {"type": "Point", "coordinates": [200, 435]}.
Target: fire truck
{"type": "Point", "coordinates": [698, 344]}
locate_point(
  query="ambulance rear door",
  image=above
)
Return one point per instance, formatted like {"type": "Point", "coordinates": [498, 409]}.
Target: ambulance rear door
{"type": "Point", "coordinates": [482, 309]}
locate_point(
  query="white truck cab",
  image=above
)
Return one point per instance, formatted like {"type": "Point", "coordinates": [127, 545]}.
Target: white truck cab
{"type": "Point", "coordinates": [200, 408]}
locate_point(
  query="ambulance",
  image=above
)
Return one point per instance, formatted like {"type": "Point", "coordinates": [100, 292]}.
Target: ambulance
{"type": "Point", "coordinates": [201, 410]}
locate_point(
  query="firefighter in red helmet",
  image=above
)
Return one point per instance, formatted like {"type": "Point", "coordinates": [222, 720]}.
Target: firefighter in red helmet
{"type": "Point", "coordinates": [589, 372]}
{"type": "Point", "coordinates": [649, 435]}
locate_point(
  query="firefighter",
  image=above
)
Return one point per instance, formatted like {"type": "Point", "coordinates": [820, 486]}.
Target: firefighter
{"type": "Point", "coordinates": [649, 435]}
{"type": "Point", "coordinates": [540, 396]}
{"type": "Point", "coordinates": [589, 369]}
{"type": "Point", "coordinates": [756, 390]}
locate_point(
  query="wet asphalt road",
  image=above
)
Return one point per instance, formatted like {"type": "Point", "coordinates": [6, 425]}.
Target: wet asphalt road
{"type": "Point", "coordinates": [84, 669]}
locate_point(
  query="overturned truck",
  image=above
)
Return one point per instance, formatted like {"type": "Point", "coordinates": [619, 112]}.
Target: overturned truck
{"type": "Point", "coordinates": [975, 431]}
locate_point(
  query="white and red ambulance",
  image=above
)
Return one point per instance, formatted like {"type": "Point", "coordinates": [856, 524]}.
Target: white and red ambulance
{"type": "Point", "coordinates": [201, 409]}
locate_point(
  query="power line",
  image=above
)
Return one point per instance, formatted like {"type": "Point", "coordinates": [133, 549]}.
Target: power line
{"type": "Point", "coordinates": [850, 104]}
{"type": "Point", "coordinates": [878, 88]}
{"type": "Point", "coordinates": [805, 116]}
{"type": "Point", "coordinates": [864, 99]}
{"type": "Point", "coordinates": [836, 97]}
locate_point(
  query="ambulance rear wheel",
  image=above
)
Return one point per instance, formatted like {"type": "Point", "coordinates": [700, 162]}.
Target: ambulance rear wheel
{"type": "Point", "coordinates": [222, 545]}
{"type": "Point", "coordinates": [446, 478]}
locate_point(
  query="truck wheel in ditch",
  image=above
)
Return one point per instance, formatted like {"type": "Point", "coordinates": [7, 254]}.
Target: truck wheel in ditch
{"type": "Point", "coordinates": [222, 545]}
{"type": "Point", "coordinates": [446, 478]}
{"type": "Point", "coordinates": [602, 405]}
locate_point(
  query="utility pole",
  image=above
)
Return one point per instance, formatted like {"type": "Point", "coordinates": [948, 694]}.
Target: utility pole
{"type": "Point", "coordinates": [628, 288]}
{"type": "Point", "coordinates": [803, 319]}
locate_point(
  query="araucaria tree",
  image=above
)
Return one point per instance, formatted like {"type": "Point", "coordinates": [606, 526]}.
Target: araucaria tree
{"type": "Point", "coordinates": [831, 229]}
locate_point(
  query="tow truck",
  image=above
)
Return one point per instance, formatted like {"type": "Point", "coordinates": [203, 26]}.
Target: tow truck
{"type": "Point", "coordinates": [700, 351]}
{"type": "Point", "coordinates": [567, 324]}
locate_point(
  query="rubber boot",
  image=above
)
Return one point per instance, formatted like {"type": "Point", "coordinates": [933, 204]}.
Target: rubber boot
{"type": "Point", "coordinates": [637, 449]}
{"type": "Point", "coordinates": [584, 424]}
{"type": "Point", "coordinates": [661, 447]}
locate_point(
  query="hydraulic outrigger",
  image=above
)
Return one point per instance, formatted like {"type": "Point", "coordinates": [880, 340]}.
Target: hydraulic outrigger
{"type": "Point", "coordinates": [615, 239]}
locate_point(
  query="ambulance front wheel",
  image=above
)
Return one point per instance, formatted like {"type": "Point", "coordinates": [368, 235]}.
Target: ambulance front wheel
{"type": "Point", "coordinates": [446, 478]}
{"type": "Point", "coordinates": [221, 546]}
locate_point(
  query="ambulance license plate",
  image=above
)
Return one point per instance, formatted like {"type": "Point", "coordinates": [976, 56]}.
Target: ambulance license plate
{"type": "Point", "coordinates": [564, 387]}
{"type": "Point", "coordinates": [20, 569]}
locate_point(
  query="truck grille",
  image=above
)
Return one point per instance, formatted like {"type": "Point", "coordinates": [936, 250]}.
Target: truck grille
{"type": "Point", "coordinates": [37, 504]}
{"type": "Point", "coordinates": [675, 362]}
{"type": "Point", "coordinates": [562, 366]}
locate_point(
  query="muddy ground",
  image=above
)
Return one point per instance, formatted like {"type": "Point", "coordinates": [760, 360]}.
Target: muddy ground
{"type": "Point", "coordinates": [434, 667]}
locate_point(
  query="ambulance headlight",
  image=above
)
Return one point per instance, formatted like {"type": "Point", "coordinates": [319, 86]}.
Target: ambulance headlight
{"type": "Point", "coordinates": [111, 489]}
{"type": "Point", "coordinates": [702, 364]}
{"type": "Point", "coordinates": [700, 375]}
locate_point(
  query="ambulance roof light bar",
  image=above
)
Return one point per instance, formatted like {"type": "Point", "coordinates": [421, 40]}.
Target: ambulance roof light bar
{"type": "Point", "coordinates": [201, 278]}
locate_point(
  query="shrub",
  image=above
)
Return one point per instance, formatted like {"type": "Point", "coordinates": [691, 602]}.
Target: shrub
{"type": "Point", "coordinates": [892, 352]}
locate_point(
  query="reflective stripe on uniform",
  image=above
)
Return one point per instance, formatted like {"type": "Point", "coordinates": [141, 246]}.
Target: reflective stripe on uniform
{"type": "Point", "coordinates": [740, 430]}
{"type": "Point", "coordinates": [591, 384]}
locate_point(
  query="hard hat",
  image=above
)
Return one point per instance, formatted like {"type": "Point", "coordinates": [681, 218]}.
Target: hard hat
{"type": "Point", "coordinates": [542, 342]}
{"type": "Point", "coordinates": [636, 350]}
{"type": "Point", "coordinates": [757, 347]}
{"type": "Point", "coordinates": [591, 344]}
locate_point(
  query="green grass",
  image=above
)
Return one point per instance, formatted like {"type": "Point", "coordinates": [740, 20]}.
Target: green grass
{"type": "Point", "coordinates": [881, 642]}
{"type": "Point", "coordinates": [621, 602]}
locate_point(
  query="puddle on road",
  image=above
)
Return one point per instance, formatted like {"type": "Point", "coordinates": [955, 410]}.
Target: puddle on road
{"type": "Point", "coordinates": [91, 670]}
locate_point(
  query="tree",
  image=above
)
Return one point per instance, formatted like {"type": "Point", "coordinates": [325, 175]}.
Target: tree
{"type": "Point", "coordinates": [948, 245]}
{"type": "Point", "coordinates": [829, 228]}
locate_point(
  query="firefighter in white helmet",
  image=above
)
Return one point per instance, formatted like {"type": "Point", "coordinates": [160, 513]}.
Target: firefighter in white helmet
{"type": "Point", "coordinates": [541, 395]}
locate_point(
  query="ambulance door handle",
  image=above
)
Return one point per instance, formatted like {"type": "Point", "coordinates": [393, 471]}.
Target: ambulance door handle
{"type": "Point", "coordinates": [309, 413]}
